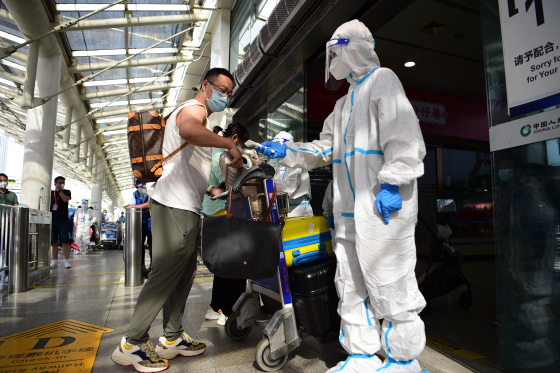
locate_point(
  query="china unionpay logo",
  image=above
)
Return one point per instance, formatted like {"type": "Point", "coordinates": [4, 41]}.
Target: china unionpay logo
{"type": "Point", "coordinates": [525, 130]}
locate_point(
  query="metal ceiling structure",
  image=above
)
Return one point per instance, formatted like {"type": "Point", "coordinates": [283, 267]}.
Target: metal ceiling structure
{"type": "Point", "coordinates": [118, 56]}
{"type": "Point", "coordinates": [130, 55]}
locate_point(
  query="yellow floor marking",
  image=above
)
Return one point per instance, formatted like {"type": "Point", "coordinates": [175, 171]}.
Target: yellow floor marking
{"type": "Point", "coordinates": [66, 346]}
{"type": "Point", "coordinates": [453, 349]}
{"type": "Point", "coordinates": [85, 274]}
{"type": "Point", "coordinates": [100, 283]}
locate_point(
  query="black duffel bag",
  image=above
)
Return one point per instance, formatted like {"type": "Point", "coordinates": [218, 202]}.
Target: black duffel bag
{"type": "Point", "coordinates": [241, 249]}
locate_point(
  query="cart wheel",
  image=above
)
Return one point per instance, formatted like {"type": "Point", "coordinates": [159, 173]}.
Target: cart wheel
{"type": "Point", "coordinates": [465, 300]}
{"type": "Point", "coordinates": [265, 361]}
{"type": "Point", "coordinates": [232, 331]}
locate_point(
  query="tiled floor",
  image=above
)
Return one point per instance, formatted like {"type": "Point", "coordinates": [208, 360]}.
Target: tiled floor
{"type": "Point", "coordinates": [93, 292]}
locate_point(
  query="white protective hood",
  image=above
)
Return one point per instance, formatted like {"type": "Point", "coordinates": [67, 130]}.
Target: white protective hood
{"type": "Point", "coordinates": [359, 55]}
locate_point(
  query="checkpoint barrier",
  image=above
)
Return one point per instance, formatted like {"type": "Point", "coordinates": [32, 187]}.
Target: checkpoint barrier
{"type": "Point", "coordinates": [24, 246]}
{"type": "Point", "coordinates": [133, 247]}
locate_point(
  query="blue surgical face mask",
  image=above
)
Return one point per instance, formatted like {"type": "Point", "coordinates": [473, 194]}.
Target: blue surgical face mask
{"type": "Point", "coordinates": [218, 102]}
{"type": "Point", "coordinates": [506, 175]}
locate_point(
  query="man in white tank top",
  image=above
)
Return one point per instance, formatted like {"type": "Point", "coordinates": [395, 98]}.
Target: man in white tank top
{"type": "Point", "coordinates": [175, 204]}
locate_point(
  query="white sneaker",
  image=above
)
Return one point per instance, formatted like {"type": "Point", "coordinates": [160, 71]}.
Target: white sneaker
{"type": "Point", "coordinates": [222, 319]}
{"type": "Point", "coordinates": [211, 314]}
{"type": "Point", "coordinates": [67, 264]}
{"type": "Point", "coordinates": [54, 264]}
{"type": "Point", "coordinates": [142, 357]}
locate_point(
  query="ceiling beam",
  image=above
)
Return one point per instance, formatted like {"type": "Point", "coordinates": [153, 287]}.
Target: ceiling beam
{"type": "Point", "coordinates": [130, 63]}
{"type": "Point", "coordinates": [123, 91]}
{"type": "Point", "coordinates": [137, 22]}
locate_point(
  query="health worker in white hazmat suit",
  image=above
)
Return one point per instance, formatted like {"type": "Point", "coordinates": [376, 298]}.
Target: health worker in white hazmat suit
{"type": "Point", "coordinates": [293, 181]}
{"type": "Point", "coordinates": [84, 218]}
{"type": "Point", "coordinates": [374, 143]}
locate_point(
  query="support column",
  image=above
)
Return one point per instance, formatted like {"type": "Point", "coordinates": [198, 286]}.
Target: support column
{"type": "Point", "coordinates": [111, 211]}
{"type": "Point", "coordinates": [97, 188]}
{"type": "Point", "coordinates": [83, 160]}
{"type": "Point", "coordinates": [39, 135]}
{"type": "Point", "coordinates": [90, 168]}
{"type": "Point", "coordinates": [68, 124]}
{"type": "Point", "coordinates": [219, 54]}
{"type": "Point", "coordinates": [76, 158]}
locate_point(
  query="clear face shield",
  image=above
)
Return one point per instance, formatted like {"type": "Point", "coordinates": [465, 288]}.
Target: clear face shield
{"type": "Point", "coordinates": [333, 50]}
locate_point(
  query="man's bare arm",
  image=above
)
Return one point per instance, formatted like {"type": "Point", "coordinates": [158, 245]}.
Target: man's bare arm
{"type": "Point", "coordinates": [191, 124]}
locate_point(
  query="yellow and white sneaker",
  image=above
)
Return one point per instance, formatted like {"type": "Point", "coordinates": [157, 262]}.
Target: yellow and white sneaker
{"type": "Point", "coordinates": [142, 357]}
{"type": "Point", "coordinates": [184, 346]}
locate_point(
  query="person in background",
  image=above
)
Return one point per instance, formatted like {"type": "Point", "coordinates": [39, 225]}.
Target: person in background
{"type": "Point", "coordinates": [93, 237]}
{"type": "Point", "coordinates": [527, 241]}
{"type": "Point", "coordinates": [175, 205]}
{"type": "Point", "coordinates": [84, 219]}
{"type": "Point", "coordinates": [60, 227]}
{"type": "Point", "coordinates": [104, 217]}
{"type": "Point", "coordinates": [295, 182]}
{"type": "Point", "coordinates": [6, 197]}
{"type": "Point", "coordinates": [122, 217]}
{"type": "Point", "coordinates": [226, 291]}
{"type": "Point", "coordinates": [141, 200]}
{"type": "Point", "coordinates": [374, 142]}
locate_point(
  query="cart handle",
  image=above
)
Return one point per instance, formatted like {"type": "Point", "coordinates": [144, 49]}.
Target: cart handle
{"type": "Point", "coordinates": [229, 214]}
{"type": "Point", "coordinates": [259, 172]}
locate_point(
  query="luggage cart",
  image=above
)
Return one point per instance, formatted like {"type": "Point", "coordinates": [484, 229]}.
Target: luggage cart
{"type": "Point", "coordinates": [108, 235]}
{"type": "Point", "coordinates": [268, 303]}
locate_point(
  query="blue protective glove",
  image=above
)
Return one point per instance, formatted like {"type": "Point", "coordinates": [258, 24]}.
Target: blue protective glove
{"type": "Point", "coordinates": [330, 221]}
{"type": "Point", "coordinates": [268, 146]}
{"type": "Point", "coordinates": [388, 200]}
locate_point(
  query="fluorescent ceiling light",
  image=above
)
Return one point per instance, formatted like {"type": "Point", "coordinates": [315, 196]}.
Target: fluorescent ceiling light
{"type": "Point", "coordinates": [121, 103]}
{"type": "Point", "coordinates": [120, 7]}
{"type": "Point", "coordinates": [277, 123]}
{"type": "Point", "coordinates": [94, 83]}
{"type": "Point", "coordinates": [7, 82]}
{"type": "Point", "coordinates": [11, 37]}
{"type": "Point", "coordinates": [12, 64]}
{"type": "Point", "coordinates": [410, 64]}
{"type": "Point", "coordinates": [115, 132]}
{"type": "Point", "coordinates": [110, 120]}
{"type": "Point", "coordinates": [116, 52]}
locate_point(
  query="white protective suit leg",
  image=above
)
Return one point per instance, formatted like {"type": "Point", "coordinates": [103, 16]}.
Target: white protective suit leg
{"type": "Point", "coordinates": [359, 328]}
{"type": "Point", "coordinates": [81, 240]}
{"type": "Point", "coordinates": [403, 342]}
{"type": "Point", "coordinates": [388, 256]}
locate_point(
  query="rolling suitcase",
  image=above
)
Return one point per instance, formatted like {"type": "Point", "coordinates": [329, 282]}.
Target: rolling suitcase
{"type": "Point", "coordinates": [306, 239]}
{"type": "Point", "coordinates": [315, 298]}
